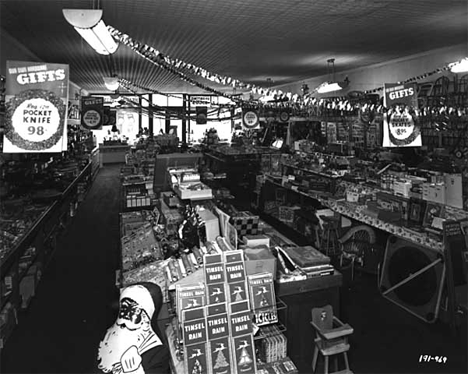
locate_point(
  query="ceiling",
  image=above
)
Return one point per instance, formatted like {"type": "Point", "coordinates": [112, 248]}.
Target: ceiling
{"type": "Point", "coordinates": [262, 42]}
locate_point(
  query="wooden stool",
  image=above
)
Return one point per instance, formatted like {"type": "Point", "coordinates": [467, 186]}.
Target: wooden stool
{"type": "Point", "coordinates": [329, 244]}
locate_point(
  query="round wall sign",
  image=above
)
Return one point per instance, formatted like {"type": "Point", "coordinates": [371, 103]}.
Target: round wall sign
{"type": "Point", "coordinates": [284, 116]}
{"type": "Point", "coordinates": [92, 119]}
{"type": "Point", "coordinates": [250, 119]}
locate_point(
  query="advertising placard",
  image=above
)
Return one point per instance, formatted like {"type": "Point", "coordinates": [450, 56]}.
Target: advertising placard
{"type": "Point", "coordinates": [36, 101]}
{"type": "Point", "coordinates": [92, 109]}
{"type": "Point", "coordinates": [400, 94]}
{"type": "Point", "coordinates": [250, 119]}
{"type": "Point", "coordinates": [401, 128]}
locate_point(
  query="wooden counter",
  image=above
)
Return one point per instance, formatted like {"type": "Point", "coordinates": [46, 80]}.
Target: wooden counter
{"type": "Point", "coordinates": [300, 297]}
{"type": "Point", "coordinates": [109, 154]}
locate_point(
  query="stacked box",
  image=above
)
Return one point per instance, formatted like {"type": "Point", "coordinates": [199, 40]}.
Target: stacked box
{"type": "Point", "coordinates": [194, 332]}
{"type": "Point", "coordinates": [263, 299]}
{"type": "Point", "coordinates": [241, 329]}
{"type": "Point", "coordinates": [219, 342]}
{"type": "Point", "coordinates": [235, 276]}
{"type": "Point", "coordinates": [189, 297]}
{"type": "Point", "coordinates": [245, 223]}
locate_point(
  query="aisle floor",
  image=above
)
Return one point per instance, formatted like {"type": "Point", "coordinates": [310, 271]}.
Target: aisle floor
{"type": "Point", "coordinates": [71, 311]}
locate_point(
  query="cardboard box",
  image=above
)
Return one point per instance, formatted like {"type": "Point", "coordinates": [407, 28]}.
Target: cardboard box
{"type": "Point", "coordinates": [184, 191]}
{"type": "Point", "coordinates": [453, 190]}
{"type": "Point", "coordinates": [256, 240]}
{"type": "Point", "coordinates": [259, 260]}
{"type": "Point", "coordinates": [434, 192]}
{"type": "Point", "coordinates": [171, 200]}
{"type": "Point", "coordinates": [211, 224]}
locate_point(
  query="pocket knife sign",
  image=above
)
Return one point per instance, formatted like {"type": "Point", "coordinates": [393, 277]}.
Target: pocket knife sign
{"type": "Point", "coordinates": [250, 119]}
{"type": "Point", "coordinates": [36, 107]}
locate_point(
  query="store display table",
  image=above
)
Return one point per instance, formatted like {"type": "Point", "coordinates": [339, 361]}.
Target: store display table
{"type": "Point", "coordinates": [356, 212]}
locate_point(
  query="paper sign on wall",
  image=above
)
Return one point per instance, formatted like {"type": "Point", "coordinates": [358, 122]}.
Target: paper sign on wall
{"type": "Point", "coordinates": [36, 107]}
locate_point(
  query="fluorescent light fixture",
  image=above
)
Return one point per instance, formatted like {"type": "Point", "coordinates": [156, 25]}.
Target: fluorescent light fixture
{"type": "Point", "coordinates": [459, 67]}
{"type": "Point", "coordinates": [329, 87]}
{"type": "Point", "coordinates": [88, 23]}
{"type": "Point", "coordinates": [111, 83]}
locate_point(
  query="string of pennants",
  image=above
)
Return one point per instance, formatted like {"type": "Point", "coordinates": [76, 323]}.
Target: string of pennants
{"type": "Point", "coordinates": [283, 100]}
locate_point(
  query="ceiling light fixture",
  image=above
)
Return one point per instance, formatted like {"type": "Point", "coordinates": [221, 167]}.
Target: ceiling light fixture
{"type": "Point", "coordinates": [460, 66]}
{"type": "Point", "coordinates": [111, 83]}
{"type": "Point", "coordinates": [88, 23]}
{"type": "Point", "coordinates": [331, 85]}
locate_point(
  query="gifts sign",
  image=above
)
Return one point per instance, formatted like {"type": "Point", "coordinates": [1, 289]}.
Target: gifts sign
{"type": "Point", "coordinates": [401, 123]}
{"type": "Point", "coordinates": [36, 107]}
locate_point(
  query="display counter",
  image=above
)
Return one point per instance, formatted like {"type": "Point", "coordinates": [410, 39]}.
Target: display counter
{"type": "Point", "coordinates": [111, 154]}
{"type": "Point", "coordinates": [24, 259]}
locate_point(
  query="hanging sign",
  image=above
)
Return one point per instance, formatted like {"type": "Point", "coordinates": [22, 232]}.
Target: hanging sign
{"type": "Point", "coordinates": [36, 107]}
{"type": "Point", "coordinates": [92, 112]}
{"type": "Point", "coordinates": [400, 94]}
{"type": "Point", "coordinates": [401, 128]}
{"type": "Point", "coordinates": [109, 117]}
{"type": "Point", "coordinates": [250, 119]}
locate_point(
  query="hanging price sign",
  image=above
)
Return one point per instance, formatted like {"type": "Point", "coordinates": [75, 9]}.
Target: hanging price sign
{"type": "Point", "coordinates": [93, 112]}
{"type": "Point", "coordinates": [36, 106]}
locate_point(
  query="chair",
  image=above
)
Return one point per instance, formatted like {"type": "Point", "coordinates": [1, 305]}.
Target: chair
{"type": "Point", "coordinates": [439, 94]}
{"type": "Point", "coordinates": [424, 90]}
{"type": "Point", "coordinates": [329, 243]}
{"type": "Point", "coordinates": [354, 244]}
{"type": "Point", "coordinates": [461, 94]}
{"type": "Point", "coordinates": [331, 338]}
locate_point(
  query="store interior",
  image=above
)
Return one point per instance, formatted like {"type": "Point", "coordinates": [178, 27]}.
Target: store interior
{"type": "Point", "coordinates": [240, 187]}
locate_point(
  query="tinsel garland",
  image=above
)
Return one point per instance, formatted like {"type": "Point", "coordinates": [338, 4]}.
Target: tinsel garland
{"type": "Point", "coordinates": [169, 63]}
{"type": "Point", "coordinates": [422, 76]}
{"type": "Point", "coordinates": [158, 59]}
{"type": "Point", "coordinates": [294, 101]}
{"type": "Point", "coordinates": [174, 65]}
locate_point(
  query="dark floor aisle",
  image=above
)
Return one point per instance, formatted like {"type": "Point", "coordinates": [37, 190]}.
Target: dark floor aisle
{"type": "Point", "coordinates": [61, 329]}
